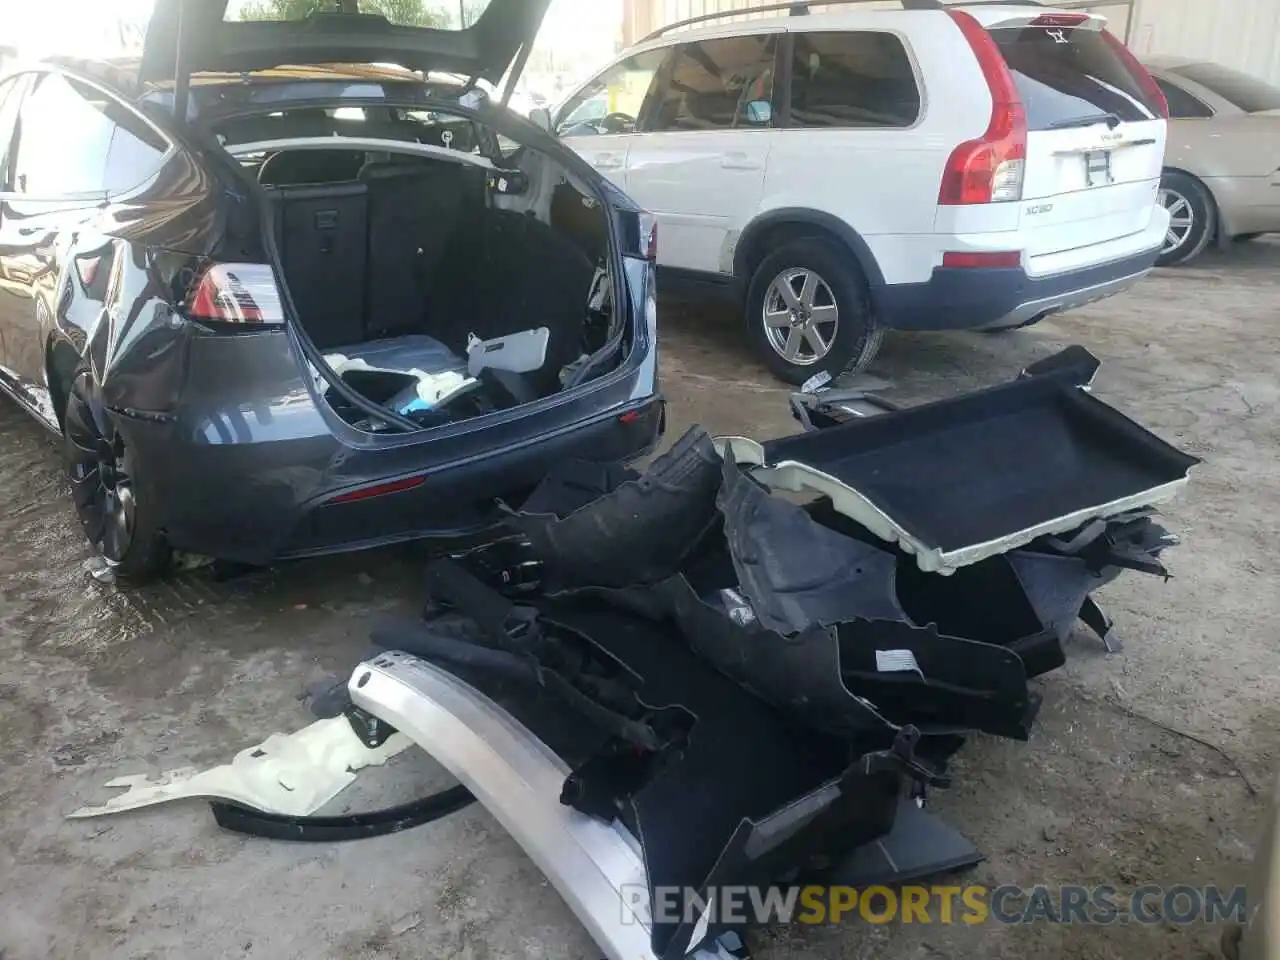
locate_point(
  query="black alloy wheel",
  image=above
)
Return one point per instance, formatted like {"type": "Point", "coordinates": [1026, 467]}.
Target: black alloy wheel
{"type": "Point", "coordinates": [104, 489]}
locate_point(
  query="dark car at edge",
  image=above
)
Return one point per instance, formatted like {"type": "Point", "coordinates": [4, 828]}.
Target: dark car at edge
{"type": "Point", "coordinates": [219, 263]}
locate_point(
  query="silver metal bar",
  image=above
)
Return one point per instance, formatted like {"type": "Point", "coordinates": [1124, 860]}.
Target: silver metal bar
{"type": "Point", "coordinates": [596, 867]}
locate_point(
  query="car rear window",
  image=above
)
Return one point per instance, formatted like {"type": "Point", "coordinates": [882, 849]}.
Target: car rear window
{"type": "Point", "coordinates": [409, 13]}
{"type": "Point", "coordinates": [1248, 93]}
{"type": "Point", "coordinates": [1068, 74]}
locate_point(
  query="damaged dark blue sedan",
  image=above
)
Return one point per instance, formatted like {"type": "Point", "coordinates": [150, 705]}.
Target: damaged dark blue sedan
{"type": "Point", "coordinates": [288, 288]}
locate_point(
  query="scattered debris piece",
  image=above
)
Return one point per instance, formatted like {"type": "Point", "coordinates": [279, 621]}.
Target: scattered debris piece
{"type": "Point", "coordinates": [358, 826]}
{"type": "Point", "coordinates": [291, 774]}
{"type": "Point", "coordinates": [405, 924]}
{"type": "Point", "coordinates": [693, 662]}
{"type": "Point", "coordinates": [75, 754]}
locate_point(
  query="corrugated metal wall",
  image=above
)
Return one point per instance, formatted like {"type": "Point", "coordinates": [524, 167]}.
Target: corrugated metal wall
{"type": "Point", "coordinates": [1244, 34]}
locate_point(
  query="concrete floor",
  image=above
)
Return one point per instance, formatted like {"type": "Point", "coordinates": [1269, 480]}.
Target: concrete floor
{"type": "Point", "coordinates": [95, 683]}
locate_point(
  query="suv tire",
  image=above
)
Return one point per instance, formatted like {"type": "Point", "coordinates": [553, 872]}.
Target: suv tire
{"type": "Point", "coordinates": [808, 311]}
{"type": "Point", "coordinates": [1193, 211]}
{"type": "Point", "coordinates": [109, 498]}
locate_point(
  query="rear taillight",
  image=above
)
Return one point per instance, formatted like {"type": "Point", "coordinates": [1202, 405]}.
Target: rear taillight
{"type": "Point", "coordinates": [237, 293]}
{"type": "Point", "coordinates": [649, 236]}
{"type": "Point", "coordinates": [989, 169]}
{"type": "Point", "coordinates": [1140, 74]}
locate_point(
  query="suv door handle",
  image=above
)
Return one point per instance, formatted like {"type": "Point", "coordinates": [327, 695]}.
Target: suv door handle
{"type": "Point", "coordinates": [739, 161]}
{"type": "Point", "coordinates": [608, 161]}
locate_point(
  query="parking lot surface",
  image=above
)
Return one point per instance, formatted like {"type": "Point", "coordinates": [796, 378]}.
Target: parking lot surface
{"type": "Point", "coordinates": [96, 683]}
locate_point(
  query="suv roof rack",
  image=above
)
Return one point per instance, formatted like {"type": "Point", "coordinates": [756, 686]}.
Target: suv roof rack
{"type": "Point", "coordinates": [800, 8]}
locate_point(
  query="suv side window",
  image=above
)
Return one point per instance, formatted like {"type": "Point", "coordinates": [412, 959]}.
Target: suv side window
{"type": "Point", "coordinates": [718, 84]}
{"type": "Point", "coordinates": [859, 79]}
{"type": "Point", "coordinates": [1182, 105]}
{"type": "Point", "coordinates": [612, 102]}
{"type": "Point", "coordinates": [73, 139]}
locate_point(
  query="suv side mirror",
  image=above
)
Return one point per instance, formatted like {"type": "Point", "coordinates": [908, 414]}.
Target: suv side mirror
{"type": "Point", "coordinates": [541, 116]}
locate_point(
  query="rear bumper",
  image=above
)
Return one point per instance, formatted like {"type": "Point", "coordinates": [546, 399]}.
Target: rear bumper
{"type": "Point", "coordinates": [254, 502]}
{"type": "Point", "coordinates": [967, 299]}
{"type": "Point", "coordinates": [460, 498]}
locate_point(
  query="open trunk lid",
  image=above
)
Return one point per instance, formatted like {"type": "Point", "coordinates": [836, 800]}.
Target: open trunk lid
{"type": "Point", "coordinates": [194, 36]}
{"type": "Point", "coordinates": [1096, 131]}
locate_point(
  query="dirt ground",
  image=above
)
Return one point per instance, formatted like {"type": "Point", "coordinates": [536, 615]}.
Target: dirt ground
{"type": "Point", "coordinates": [96, 683]}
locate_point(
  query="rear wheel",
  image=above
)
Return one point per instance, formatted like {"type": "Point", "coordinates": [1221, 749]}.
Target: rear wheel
{"type": "Point", "coordinates": [1191, 215]}
{"type": "Point", "coordinates": [104, 487]}
{"type": "Point", "coordinates": [808, 312]}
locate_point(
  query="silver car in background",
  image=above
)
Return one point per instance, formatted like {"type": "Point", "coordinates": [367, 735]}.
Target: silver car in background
{"type": "Point", "coordinates": [1222, 162]}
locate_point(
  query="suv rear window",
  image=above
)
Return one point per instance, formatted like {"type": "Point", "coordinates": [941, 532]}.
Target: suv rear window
{"type": "Point", "coordinates": [1248, 93]}
{"type": "Point", "coordinates": [1068, 75]}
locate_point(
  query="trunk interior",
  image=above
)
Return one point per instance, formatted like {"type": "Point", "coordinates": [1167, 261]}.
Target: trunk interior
{"type": "Point", "coordinates": [396, 262]}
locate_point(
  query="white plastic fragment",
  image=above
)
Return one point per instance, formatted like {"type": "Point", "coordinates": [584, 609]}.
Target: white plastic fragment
{"type": "Point", "coordinates": [521, 352]}
{"type": "Point", "coordinates": [897, 661]}
{"type": "Point", "coordinates": [816, 382]}
{"type": "Point", "coordinates": [291, 774]}
{"type": "Point", "coordinates": [738, 607]}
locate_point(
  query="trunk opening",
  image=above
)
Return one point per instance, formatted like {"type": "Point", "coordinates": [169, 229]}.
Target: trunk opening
{"type": "Point", "coordinates": [438, 281]}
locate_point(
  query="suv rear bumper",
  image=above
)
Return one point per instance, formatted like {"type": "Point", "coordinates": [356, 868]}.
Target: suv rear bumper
{"type": "Point", "coordinates": [967, 299]}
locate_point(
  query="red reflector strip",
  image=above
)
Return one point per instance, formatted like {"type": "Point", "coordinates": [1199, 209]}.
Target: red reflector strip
{"type": "Point", "coordinates": [380, 490]}
{"type": "Point", "coordinates": [630, 417]}
{"type": "Point", "coordinates": [1060, 20]}
{"type": "Point", "coordinates": [1001, 259]}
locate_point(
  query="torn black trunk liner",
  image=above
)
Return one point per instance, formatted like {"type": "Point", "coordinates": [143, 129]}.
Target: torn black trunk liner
{"type": "Point", "coordinates": [816, 617]}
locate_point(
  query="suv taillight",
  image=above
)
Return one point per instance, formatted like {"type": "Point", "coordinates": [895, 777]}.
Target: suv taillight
{"type": "Point", "coordinates": [1141, 75]}
{"type": "Point", "coordinates": [243, 293]}
{"type": "Point", "coordinates": [989, 169]}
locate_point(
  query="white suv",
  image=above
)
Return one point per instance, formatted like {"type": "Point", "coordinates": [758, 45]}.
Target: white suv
{"type": "Point", "coordinates": [850, 171]}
